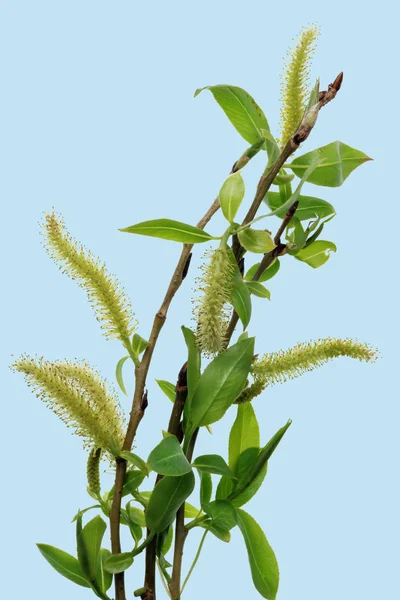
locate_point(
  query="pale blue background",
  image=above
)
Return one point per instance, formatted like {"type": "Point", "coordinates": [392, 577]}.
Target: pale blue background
{"type": "Point", "coordinates": [98, 120]}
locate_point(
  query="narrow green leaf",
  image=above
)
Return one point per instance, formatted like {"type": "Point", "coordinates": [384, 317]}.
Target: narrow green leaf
{"type": "Point", "coordinates": [104, 579]}
{"type": "Point", "coordinates": [222, 534]}
{"type": "Point", "coordinates": [256, 240]}
{"type": "Point", "coordinates": [295, 196]}
{"type": "Point", "coordinates": [135, 460]}
{"type": "Point", "coordinates": [205, 488]}
{"type": "Point", "coordinates": [65, 564]}
{"type": "Point", "coordinates": [133, 479]}
{"type": "Point", "coordinates": [117, 563]}
{"type": "Point", "coordinates": [268, 273]}
{"type": "Point", "coordinates": [139, 344]}
{"type": "Point", "coordinates": [167, 229]}
{"type": "Point", "coordinates": [340, 161]}
{"type": "Point", "coordinates": [168, 495]}
{"type": "Point", "coordinates": [316, 254]}
{"type": "Point", "coordinates": [168, 388]}
{"type": "Point", "coordinates": [231, 195]}
{"type": "Point", "coordinates": [251, 489]}
{"type": "Point", "coordinates": [247, 485]}
{"type": "Point", "coordinates": [221, 383]}
{"type": "Point", "coordinates": [225, 488]}
{"type": "Point", "coordinates": [193, 362]}
{"type": "Point", "coordinates": [245, 433]}
{"type": "Point", "coordinates": [164, 541]}
{"type": "Point", "coordinates": [257, 289]}
{"type": "Point", "coordinates": [89, 543]}
{"type": "Point", "coordinates": [223, 514]}
{"type": "Point", "coordinates": [118, 373]}
{"type": "Point", "coordinates": [167, 458]}
{"type": "Point", "coordinates": [191, 512]}
{"type": "Point", "coordinates": [241, 301]}
{"type": "Point", "coordinates": [212, 463]}
{"type": "Point", "coordinates": [308, 208]}
{"type": "Point", "coordinates": [263, 563]}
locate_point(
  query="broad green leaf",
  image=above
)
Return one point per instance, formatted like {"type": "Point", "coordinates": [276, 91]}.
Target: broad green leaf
{"type": "Point", "coordinates": [257, 289]}
{"type": "Point", "coordinates": [132, 481]}
{"type": "Point", "coordinates": [168, 388]}
{"type": "Point", "coordinates": [241, 109]}
{"type": "Point", "coordinates": [205, 488]}
{"type": "Point", "coordinates": [212, 463]}
{"type": "Point", "coordinates": [251, 489]}
{"type": "Point", "coordinates": [221, 383]}
{"type": "Point", "coordinates": [241, 301]}
{"type": "Point", "coordinates": [316, 254]}
{"type": "Point", "coordinates": [139, 344]}
{"type": "Point", "coordinates": [268, 273]}
{"type": "Point", "coordinates": [245, 433]}
{"type": "Point", "coordinates": [308, 208]}
{"type": "Point", "coordinates": [104, 579]}
{"type": "Point", "coordinates": [136, 515]}
{"type": "Point", "coordinates": [222, 513]}
{"type": "Point", "coordinates": [65, 564]}
{"type": "Point", "coordinates": [222, 534]}
{"type": "Point", "coordinates": [168, 495]}
{"type": "Point", "coordinates": [231, 195]}
{"type": "Point", "coordinates": [89, 543]}
{"type": "Point", "coordinates": [256, 240]}
{"type": "Point", "coordinates": [167, 229]}
{"type": "Point", "coordinates": [118, 373]}
{"type": "Point", "coordinates": [339, 161]}
{"type": "Point", "coordinates": [167, 458]}
{"type": "Point", "coordinates": [193, 362]}
{"type": "Point", "coordinates": [117, 563]}
{"type": "Point", "coordinates": [134, 459]}
{"type": "Point", "coordinates": [263, 563]}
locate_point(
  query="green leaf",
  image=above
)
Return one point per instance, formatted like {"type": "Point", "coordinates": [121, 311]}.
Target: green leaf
{"type": "Point", "coordinates": [225, 487]}
{"type": "Point", "coordinates": [136, 515]}
{"type": "Point", "coordinates": [296, 194]}
{"type": "Point", "coordinates": [221, 383]}
{"type": "Point", "coordinates": [251, 489]}
{"type": "Point", "coordinates": [117, 563]}
{"type": "Point", "coordinates": [104, 579]}
{"type": "Point", "coordinates": [168, 495]}
{"type": "Point", "coordinates": [212, 463]}
{"type": "Point", "coordinates": [241, 301]}
{"type": "Point", "coordinates": [168, 388]}
{"type": "Point", "coordinates": [222, 534]}
{"type": "Point", "coordinates": [118, 373]}
{"type": "Point", "coordinates": [205, 488]}
{"type": "Point", "coordinates": [65, 564]}
{"type": "Point", "coordinates": [165, 538]}
{"type": "Point", "coordinates": [134, 459]}
{"type": "Point", "coordinates": [268, 273]}
{"type": "Point", "coordinates": [139, 344]}
{"type": "Point", "coordinates": [231, 195]}
{"type": "Point", "coordinates": [257, 289]}
{"type": "Point", "coordinates": [316, 254]}
{"type": "Point", "coordinates": [191, 512]}
{"type": "Point", "coordinates": [193, 362]}
{"type": "Point", "coordinates": [340, 161]}
{"type": "Point", "coordinates": [167, 229]}
{"type": "Point", "coordinates": [263, 563]}
{"type": "Point", "coordinates": [132, 481]}
{"type": "Point", "coordinates": [222, 513]}
{"type": "Point", "coordinates": [245, 433]}
{"type": "Point", "coordinates": [241, 109]}
{"type": "Point", "coordinates": [256, 240]}
{"type": "Point", "coordinates": [89, 543]}
{"type": "Point", "coordinates": [299, 235]}
{"type": "Point", "coordinates": [308, 208]}
{"type": "Point", "coordinates": [167, 458]}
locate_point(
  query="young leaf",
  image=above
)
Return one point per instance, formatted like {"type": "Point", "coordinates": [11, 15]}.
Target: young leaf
{"type": "Point", "coordinates": [118, 373]}
{"type": "Point", "coordinates": [250, 490]}
{"type": "Point", "coordinates": [241, 109]}
{"type": "Point", "coordinates": [340, 161]}
{"type": "Point", "coordinates": [104, 579]}
{"type": "Point", "coordinates": [268, 273]}
{"type": "Point", "coordinates": [168, 388]}
{"type": "Point", "coordinates": [136, 515]}
{"type": "Point", "coordinates": [88, 543]}
{"type": "Point", "coordinates": [193, 362]}
{"type": "Point", "coordinates": [308, 208]}
{"type": "Point", "coordinates": [316, 254]}
{"type": "Point", "coordinates": [222, 534]}
{"type": "Point", "coordinates": [294, 197]}
{"type": "Point", "coordinates": [139, 344]}
{"type": "Point", "coordinates": [212, 463]}
{"type": "Point", "coordinates": [241, 301]}
{"type": "Point", "coordinates": [263, 563]}
{"type": "Point", "coordinates": [65, 564]}
{"type": "Point", "coordinates": [132, 481]}
{"type": "Point", "coordinates": [222, 513]}
{"type": "Point", "coordinates": [191, 512]}
{"type": "Point", "coordinates": [117, 563]}
{"type": "Point", "coordinates": [256, 240]}
{"type": "Point", "coordinates": [245, 433]}
{"type": "Point", "coordinates": [168, 495]}
{"type": "Point", "coordinates": [167, 229]}
{"type": "Point", "coordinates": [135, 460]}
{"type": "Point", "coordinates": [231, 195]}
{"type": "Point", "coordinates": [205, 488]}
{"type": "Point", "coordinates": [167, 458]}
{"type": "Point", "coordinates": [220, 384]}
{"type": "Point", "coordinates": [257, 289]}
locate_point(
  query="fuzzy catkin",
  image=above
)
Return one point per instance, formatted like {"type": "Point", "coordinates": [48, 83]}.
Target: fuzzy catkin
{"type": "Point", "coordinates": [109, 301]}
{"type": "Point", "coordinates": [211, 311]}
{"type": "Point", "coordinates": [93, 471]}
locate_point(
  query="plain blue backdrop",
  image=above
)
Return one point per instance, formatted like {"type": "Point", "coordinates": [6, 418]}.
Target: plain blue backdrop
{"type": "Point", "coordinates": [98, 120]}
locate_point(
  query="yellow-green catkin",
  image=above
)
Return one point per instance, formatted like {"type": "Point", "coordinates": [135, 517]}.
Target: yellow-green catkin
{"type": "Point", "coordinates": [278, 367]}
{"type": "Point", "coordinates": [79, 397]}
{"type": "Point", "coordinates": [212, 309]}
{"type": "Point", "coordinates": [93, 472]}
{"type": "Point", "coordinates": [109, 301]}
{"type": "Point", "coordinates": [295, 87]}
